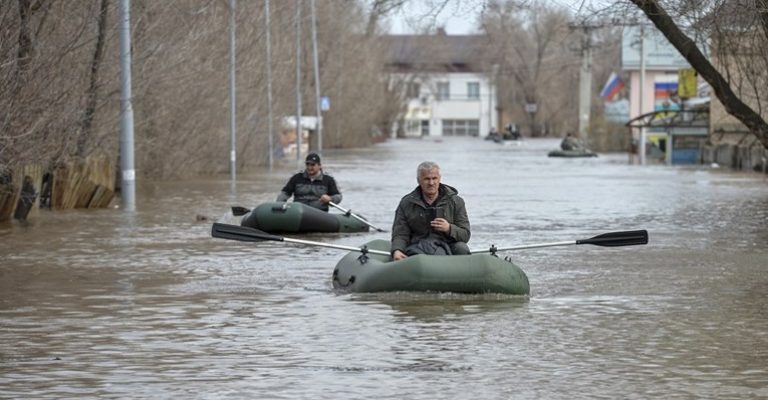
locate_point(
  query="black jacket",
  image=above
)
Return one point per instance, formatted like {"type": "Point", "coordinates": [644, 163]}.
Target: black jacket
{"type": "Point", "coordinates": [308, 191]}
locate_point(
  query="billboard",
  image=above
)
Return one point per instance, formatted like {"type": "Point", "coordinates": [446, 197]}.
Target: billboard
{"type": "Point", "coordinates": [659, 53]}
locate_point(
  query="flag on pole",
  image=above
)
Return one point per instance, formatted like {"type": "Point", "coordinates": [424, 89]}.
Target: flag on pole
{"type": "Point", "coordinates": [612, 87]}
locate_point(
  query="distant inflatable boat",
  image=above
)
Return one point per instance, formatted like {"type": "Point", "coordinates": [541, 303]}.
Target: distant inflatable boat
{"type": "Point", "coordinates": [275, 217]}
{"type": "Point", "coordinates": [476, 273]}
{"type": "Point", "coordinates": [572, 153]}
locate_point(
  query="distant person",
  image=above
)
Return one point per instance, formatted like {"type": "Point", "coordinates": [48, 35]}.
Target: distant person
{"type": "Point", "coordinates": [493, 135]}
{"type": "Point", "coordinates": [432, 219]}
{"type": "Point", "coordinates": [511, 132]}
{"type": "Point", "coordinates": [515, 133]}
{"type": "Point", "coordinates": [311, 186]}
{"type": "Point", "coordinates": [570, 143]}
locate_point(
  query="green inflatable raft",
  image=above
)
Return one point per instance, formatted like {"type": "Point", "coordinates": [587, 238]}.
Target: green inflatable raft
{"type": "Point", "coordinates": [476, 273]}
{"type": "Point", "coordinates": [295, 217]}
{"type": "Point", "coordinates": [572, 153]}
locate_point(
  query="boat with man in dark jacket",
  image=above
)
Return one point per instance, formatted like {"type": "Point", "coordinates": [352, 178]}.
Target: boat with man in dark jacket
{"type": "Point", "coordinates": [476, 273]}
{"type": "Point", "coordinates": [296, 217]}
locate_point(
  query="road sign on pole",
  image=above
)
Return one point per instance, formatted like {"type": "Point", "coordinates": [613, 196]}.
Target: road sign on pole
{"type": "Point", "coordinates": [325, 103]}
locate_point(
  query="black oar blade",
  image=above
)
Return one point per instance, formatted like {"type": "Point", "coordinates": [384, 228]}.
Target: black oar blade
{"type": "Point", "coordinates": [238, 211]}
{"type": "Point", "coordinates": [241, 233]}
{"type": "Point", "coordinates": [615, 239]}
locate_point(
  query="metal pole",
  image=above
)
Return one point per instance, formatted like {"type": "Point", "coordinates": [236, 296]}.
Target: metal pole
{"type": "Point", "coordinates": [585, 85]}
{"type": "Point", "coordinates": [490, 101]}
{"type": "Point", "coordinates": [232, 98]}
{"type": "Point", "coordinates": [318, 111]}
{"type": "Point", "coordinates": [298, 83]}
{"type": "Point", "coordinates": [269, 86]}
{"type": "Point", "coordinates": [641, 146]}
{"type": "Point", "coordinates": [128, 185]}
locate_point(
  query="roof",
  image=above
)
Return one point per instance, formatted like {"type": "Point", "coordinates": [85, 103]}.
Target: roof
{"type": "Point", "coordinates": [437, 53]}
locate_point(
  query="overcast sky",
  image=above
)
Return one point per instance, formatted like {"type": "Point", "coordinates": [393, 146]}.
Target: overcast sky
{"type": "Point", "coordinates": [459, 17]}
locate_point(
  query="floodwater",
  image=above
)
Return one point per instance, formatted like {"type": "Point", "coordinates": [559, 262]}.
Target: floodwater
{"type": "Point", "coordinates": [147, 305]}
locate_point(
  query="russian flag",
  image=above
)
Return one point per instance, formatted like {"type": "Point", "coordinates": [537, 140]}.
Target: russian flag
{"type": "Point", "coordinates": [612, 87]}
{"type": "Point", "coordinates": [664, 90]}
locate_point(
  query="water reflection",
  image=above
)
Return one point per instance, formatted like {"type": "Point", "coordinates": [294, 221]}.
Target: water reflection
{"type": "Point", "coordinates": [148, 305]}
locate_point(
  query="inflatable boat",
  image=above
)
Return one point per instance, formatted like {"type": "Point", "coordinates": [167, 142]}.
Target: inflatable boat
{"type": "Point", "coordinates": [476, 273]}
{"type": "Point", "coordinates": [295, 217]}
{"type": "Point", "coordinates": [572, 153]}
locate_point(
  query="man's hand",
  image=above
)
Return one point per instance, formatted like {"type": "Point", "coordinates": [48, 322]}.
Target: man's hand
{"type": "Point", "coordinates": [325, 199]}
{"type": "Point", "coordinates": [398, 255]}
{"type": "Point", "coordinates": [441, 225]}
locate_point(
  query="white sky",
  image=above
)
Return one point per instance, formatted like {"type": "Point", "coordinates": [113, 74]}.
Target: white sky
{"type": "Point", "coordinates": [459, 17]}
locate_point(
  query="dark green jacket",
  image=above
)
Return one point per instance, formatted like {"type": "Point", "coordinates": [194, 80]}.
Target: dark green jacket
{"type": "Point", "coordinates": [412, 218]}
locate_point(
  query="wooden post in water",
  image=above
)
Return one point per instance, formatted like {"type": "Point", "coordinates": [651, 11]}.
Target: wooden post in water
{"type": "Point", "coordinates": [20, 192]}
{"type": "Point", "coordinates": [84, 184]}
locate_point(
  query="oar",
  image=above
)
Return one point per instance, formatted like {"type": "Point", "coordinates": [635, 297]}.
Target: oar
{"type": "Point", "coordinates": [349, 213]}
{"type": "Point", "coordinates": [246, 234]}
{"type": "Point", "coordinates": [238, 211]}
{"type": "Point", "coordinates": [611, 239]}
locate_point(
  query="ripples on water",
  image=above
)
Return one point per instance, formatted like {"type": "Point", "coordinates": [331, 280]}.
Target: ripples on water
{"type": "Point", "coordinates": [103, 304]}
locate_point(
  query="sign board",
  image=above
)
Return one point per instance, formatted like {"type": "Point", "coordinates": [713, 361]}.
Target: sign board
{"type": "Point", "coordinates": [530, 107]}
{"type": "Point", "coordinates": [686, 83]}
{"type": "Point", "coordinates": [659, 53]}
{"type": "Point", "coordinates": [325, 103]}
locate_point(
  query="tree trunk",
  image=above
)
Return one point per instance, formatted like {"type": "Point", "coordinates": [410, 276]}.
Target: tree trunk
{"type": "Point", "coordinates": [24, 53]}
{"type": "Point", "coordinates": [92, 93]}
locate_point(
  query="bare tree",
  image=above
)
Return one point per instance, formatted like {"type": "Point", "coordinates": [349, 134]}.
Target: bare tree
{"type": "Point", "coordinates": [535, 64]}
{"type": "Point", "coordinates": [92, 93]}
{"type": "Point", "coordinates": [59, 70]}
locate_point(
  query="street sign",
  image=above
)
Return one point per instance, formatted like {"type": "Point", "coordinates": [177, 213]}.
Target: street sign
{"type": "Point", "coordinates": [325, 103]}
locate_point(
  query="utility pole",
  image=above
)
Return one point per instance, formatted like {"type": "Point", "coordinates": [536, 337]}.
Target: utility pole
{"type": "Point", "coordinates": [317, 82]}
{"type": "Point", "coordinates": [585, 83]}
{"type": "Point", "coordinates": [128, 182]}
{"type": "Point", "coordinates": [269, 85]}
{"type": "Point", "coordinates": [585, 77]}
{"type": "Point", "coordinates": [298, 83]}
{"type": "Point", "coordinates": [232, 98]}
{"type": "Point", "coordinates": [641, 147]}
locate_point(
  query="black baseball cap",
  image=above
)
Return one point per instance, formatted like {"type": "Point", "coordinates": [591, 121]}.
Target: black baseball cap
{"type": "Point", "coordinates": [313, 158]}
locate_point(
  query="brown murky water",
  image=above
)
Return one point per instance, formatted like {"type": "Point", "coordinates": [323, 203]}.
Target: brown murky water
{"type": "Point", "coordinates": [148, 305]}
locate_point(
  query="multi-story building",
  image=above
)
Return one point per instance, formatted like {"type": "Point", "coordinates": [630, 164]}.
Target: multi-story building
{"type": "Point", "coordinates": [446, 85]}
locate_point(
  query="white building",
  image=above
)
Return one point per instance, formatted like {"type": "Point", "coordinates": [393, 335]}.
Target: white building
{"type": "Point", "coordinates": [446, 88]}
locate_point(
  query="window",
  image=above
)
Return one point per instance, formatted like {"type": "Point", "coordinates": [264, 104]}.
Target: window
{"type": "Point", "coordinates": [443, 91]}
{"type": "Point", "coordinates": [473, 90]}
{"type": "Point", "coordinates": [414, 89]}
{"type": "Point", "coordinates": [413, 126]}
{"type": "Point", "coordinates": [461, 127]}
{"type": "Point", "coordinates": [424, 127]}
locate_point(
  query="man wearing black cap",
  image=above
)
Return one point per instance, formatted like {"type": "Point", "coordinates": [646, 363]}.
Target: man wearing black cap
{"type": "Point", "coordinates": [311, 186]}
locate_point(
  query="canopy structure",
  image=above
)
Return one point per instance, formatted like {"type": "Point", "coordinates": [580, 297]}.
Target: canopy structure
{"type": "Point", "coordinates": [685, 130]}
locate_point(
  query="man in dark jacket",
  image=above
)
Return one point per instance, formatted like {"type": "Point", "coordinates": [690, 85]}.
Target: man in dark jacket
{"type": "Point", "coordinates": [311, 186]}
{"type": "Point", "coordinates": [432, 219]}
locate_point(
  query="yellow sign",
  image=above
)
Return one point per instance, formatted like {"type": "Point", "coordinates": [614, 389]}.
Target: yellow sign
{"type": "Point", "coordinates": [686, 83]}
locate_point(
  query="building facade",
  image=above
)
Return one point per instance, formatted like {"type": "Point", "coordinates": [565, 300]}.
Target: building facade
{"type": "Point", "coordinates": [669, 136]}
{"type": "Point", "coordinates": [447, 90]}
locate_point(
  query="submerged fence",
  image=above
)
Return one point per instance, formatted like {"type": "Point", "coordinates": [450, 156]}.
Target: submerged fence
{"type": "Point", "coordinates": [82, 184]}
